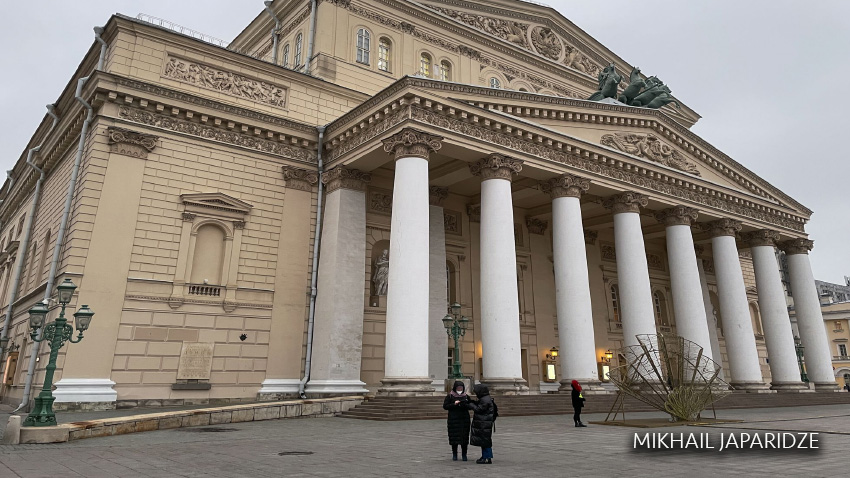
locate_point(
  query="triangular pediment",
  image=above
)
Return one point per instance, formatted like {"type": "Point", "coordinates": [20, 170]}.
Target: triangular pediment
{"type": "Point", "coordinates": [215, 201]}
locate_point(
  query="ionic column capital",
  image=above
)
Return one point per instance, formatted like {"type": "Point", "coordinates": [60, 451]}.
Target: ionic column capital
{"type": "Point", "coordinates": [677, 216]}
{"type": "Point", "coordinates": [797, 246]}
{"type": "Point", "coordinates": [300, 179]}
{"type": "Point", "coordinates": [474, 212]}
{"type": "Point", "coordinates": [628, 201]}
{"type": "Point", "coordinates": [345, 178]}
{"type": "Point", "coordinates": [496, 166]}
{"type": "Point", "coordinates": [536, 226]}
{"type": "Point", "coordinates": [565, 185]}
{"type": "Point", "coordinates": [590, 236]}
{"type": "Point", "coordinates": [722, 227]}
{"type": "Point", "coordinates": [410, 142]}
{"type": "Point", "coordinates": [436, 195]}
{"type": "Point", "coordinates": [762, 237]}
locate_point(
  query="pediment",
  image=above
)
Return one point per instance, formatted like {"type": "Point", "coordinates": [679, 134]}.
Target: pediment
{"type": "Point", "coordinates": [215, 203]}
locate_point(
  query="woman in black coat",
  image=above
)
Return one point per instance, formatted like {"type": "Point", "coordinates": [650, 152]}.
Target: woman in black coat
{"type": "Point", "coordinates": [458, 422]}
{"type": "Point", "coordinates": [578, 403]}
{"type": "Point", "coordinates": [482, 422]}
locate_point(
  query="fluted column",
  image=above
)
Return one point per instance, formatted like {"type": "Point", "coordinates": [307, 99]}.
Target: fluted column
{"type": "Point", "coordinates": [744, 369]}
{"type": "Point", "coordinates": [809, 318]}
{"type": "Point", "coordinates": [338, 332]}
{"type": "Point", "coordinates": [572, 287]}
{"type": "Point", "coordinates": [638, 317]}
{"type": "Point", "coordinates": [500, 337]}
{"type": "Point", "coordinates": [684, 276]}
{"type": "Point", "coordinates": [784, 371]}
{"type": "Point", "coordinates": [711, 320]}
{"type": "Point", "coordinates": [406, 361]}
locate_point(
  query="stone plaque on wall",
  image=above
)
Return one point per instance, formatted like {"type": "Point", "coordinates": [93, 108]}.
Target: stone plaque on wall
{"type": "Point", "coordinates": [195, 361]}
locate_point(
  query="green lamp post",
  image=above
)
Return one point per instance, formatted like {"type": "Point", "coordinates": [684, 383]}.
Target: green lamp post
{"type": "Point", "coordinates": [56, 333]}
{"type": "Point", "coordinates": [455, 325]}
{"type": "Point", "coordinates": [799, 348]}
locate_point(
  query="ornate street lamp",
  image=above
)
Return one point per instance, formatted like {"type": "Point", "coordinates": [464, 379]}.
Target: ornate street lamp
{"type": "Point", "coordinates": [56, 333]}
{"type": "Point", "coordinates": [798, 346]}
{"type": "Point", "coordinates": [455, 325]}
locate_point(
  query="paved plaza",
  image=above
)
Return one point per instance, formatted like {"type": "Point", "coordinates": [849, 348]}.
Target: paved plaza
{"type": "Point", "coordinates": [524, 446]}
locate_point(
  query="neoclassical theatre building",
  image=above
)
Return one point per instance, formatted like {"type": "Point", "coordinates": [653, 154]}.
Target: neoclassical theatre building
{"type": "Point", "coordinates": [293, 211]}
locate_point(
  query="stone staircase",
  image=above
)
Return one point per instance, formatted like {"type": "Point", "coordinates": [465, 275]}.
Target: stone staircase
{"type": "Point", "coordinates": [431, 408]}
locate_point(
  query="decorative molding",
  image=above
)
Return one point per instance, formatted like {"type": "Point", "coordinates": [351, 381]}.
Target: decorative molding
{"type": "Point", "coordinates": [677, 216]}
{"type": "Point", "coordinates": [566, 185]}
{"type": "Point", "coordinates": [590, 237]}
{"type": "Point", "coordinates": [344, 178]}
{"type": "Point", "coordinates": [239, 224]}
{"type": "Point", "coordinates": [452, 222]}
{"type": "Point", "coordinates": [745, 254]}
{"type": "Point", "coordinates": [436, 195]}
{"type": "Point", "coordinates": [223, 81]}
{"type": "Point", "coordinates": [496, 166]}
{"type": "Point", "coordinates": [129, 142]}
{"type": "Point", "coordinates": [188, 217]}
{"type": "Point", "coordinates": [650, 147]}
{"type": "Point", "coordinates": [546, 43]}
{"type": "Point", "coordinates": [217, 134]}
{"type": "Point", "coordinates": [608, 252]}
{"type": "Point", "coordinates": [364, 135]}
{"type": "Point", "coordinates": [762, 237]}
{"type": "Point", "coordinates": [474, 212]}
{"type": "Point", "coordinates": [708, 266]}
{"type": "Point", "coordinates": [722, 227]}
{"type": "Point", "coordinates": [214, 204]}
{"type": "Point", "coordinates": [412, 143]}
{"type": "Point", "coordinates": [380, 201]}
{"type": "Point", "coordinates": [654, 261]}
{"type": "Point", "coordinates": [300, 179]}
{"type": "Point", "coordinates": [628, 201]}
{"type": "Point", "coordinates": [797, 246]}
{"type": "Point", "coordinates": [536, 226]}
{"type": "Point", "coordinates": [699, 249]}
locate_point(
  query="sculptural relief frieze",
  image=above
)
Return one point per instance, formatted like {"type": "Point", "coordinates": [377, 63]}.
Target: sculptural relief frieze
{"type": "Point", "coordinates": [130, 143]}
{"type": "Point", "coordinates": [546, 43]}
{"type": "Point", "coordinates": [223, 81]}
{"type": "Point", "coordinates": [513, 32]}
{"type": "Point", "coordinates": [216, 134]}
{"type": "Point", "coordinates": [369, 133]}
{"type": "Point", "coordinates": [380, 201]}
{"type": "Point", "coordinates": [650, 147]}
{"type": "Point", "coordinates": [452, 222]}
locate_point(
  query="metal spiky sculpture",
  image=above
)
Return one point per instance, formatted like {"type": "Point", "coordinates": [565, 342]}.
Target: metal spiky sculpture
{"type": "Point", "coordinates": [669, 373]}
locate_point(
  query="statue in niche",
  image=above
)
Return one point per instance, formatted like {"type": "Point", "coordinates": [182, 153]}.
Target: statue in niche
{"type": "Point", "coordinates": [381, 274]}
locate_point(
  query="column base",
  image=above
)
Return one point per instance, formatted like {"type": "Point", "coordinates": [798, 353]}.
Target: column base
{"type": "Point", "coordinates": [790, 387]}
{"type": "Point", "coordinates": [335, 388]}
{"type": "Point", "coordinates": [506, 386]}
{"type": "Point", "coordinates": [85, 390]}
{"type": "Point", "coordinates": [751, 387]}
{"type": "Point", "coordinates": [826, 387]}
{"type": "Point", "coordinates": [406, 387]}
{"type": "Point", "coordinates": [280, 385]}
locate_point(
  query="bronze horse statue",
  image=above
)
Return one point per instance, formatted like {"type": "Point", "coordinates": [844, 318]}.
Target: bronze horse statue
{"type": "Point", "coordinates": [636, 84]}
{"type": "Point", "coordinates": [608, 81]}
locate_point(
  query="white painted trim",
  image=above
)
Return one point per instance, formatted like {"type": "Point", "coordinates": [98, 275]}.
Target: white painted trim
{"type": "Point", "coordinates": [335, 386]}
{"type": "Point", "coordinates": [280, 385]}
{"type": "Point", "coordinates": [70, 390]}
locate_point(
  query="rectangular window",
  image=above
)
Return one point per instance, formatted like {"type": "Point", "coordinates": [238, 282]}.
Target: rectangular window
{"type": "Point", "coordinates": [384, 55]}
{"type": "Point", "coordinates": [842, 350]}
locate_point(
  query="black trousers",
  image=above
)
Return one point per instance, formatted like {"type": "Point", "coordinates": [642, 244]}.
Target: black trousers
{"type": "Point", "coordinates": [462, 447]}
{"type": "Point", "coordinates": [577, 414]}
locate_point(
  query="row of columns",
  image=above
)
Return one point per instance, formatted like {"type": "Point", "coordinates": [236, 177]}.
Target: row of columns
{"type": "Point", "coordinates": [408, 326]}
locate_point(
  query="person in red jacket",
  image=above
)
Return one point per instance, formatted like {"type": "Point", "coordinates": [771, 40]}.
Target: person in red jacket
{"type": "Point", "coordinates": [578, 403]}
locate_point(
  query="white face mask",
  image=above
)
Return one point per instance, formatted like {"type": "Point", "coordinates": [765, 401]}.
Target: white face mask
{"type": "Point", "coordinates": [458, 391]}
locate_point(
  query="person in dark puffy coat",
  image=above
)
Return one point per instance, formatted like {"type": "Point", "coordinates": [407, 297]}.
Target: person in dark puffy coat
{"type": "Point", "coordinates": [578, 403]}
{"type": "Point", "coordinates": [458, 421]}
{"type": "Point", "coordinates": [482, 422]}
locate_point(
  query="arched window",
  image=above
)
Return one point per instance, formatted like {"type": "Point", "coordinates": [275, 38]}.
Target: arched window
{"type": "Point", "coordinates": [209, 255]}
{"type": "Point", "coordinates": [286, 56]}
{"type": "Point", "coordinates": [445, 71]}
{"type": "Point", "coordinates": [615, 302]}
{"type": "Point", "coordinates": [299, 40]}
{"type": "Point", "coordinates": [425, 65]}
{"type": "Point", "coordinates": [364, 41]}
{"type": "Point", "coordinates": [495, 83]}
{"type": "Point", "coordinates": [384, 52]}
{"type": "Point", "coordinates": [660, 305]}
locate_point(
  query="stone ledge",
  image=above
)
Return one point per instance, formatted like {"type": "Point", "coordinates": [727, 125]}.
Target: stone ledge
{"type": "Point", "coordinates": [323, 407]}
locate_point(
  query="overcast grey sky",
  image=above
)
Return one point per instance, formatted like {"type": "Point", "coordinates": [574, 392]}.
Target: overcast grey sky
{"type": "Point", "coordinates": [769, 77]}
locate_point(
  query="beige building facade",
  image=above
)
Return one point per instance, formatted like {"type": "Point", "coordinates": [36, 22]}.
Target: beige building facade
{"type": "Point", "coordinates": [292, 213]}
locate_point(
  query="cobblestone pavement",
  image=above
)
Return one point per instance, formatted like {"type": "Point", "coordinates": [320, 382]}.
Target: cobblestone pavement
{"type": "Point", "coordinates": [524, 446]}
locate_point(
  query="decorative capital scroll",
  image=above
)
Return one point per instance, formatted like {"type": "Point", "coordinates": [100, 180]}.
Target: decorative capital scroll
{"type": "Point", "coordinates": [722, 227]}
{"type": "Point", "coordinates": [474, 212]}
{"type": "Point", "coordinates": [436, 195]}
{"type": "Point", "coordinates": [411, 142]}
{"type": "Point", "coordinates": [762, 237]}
{"type": "Point", "coordinates": [628, 201]}
{"type": "Point", "coordinates": [496, 166]}
{"type": "Point", "coordinates": [300, 179]}
{"type": "Point", "coordinates": [239, 224]}
{"type": "Point", "coordinates": [590, 236]}
{"type": "Point", "coordinates": [536, 226]}
{"type": "Point", "coordinates": [129, 142]}
{"type": "Point", "coordinates": [677, 216]}
{"type": "Point", "coordinates": [345, 178]}
{"type": "Point", "coordinates": [565, 185]}
{"type": "Point", "coordinates": [188, 217]}
{"type": "Point", "coordinates": [797, 246]}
